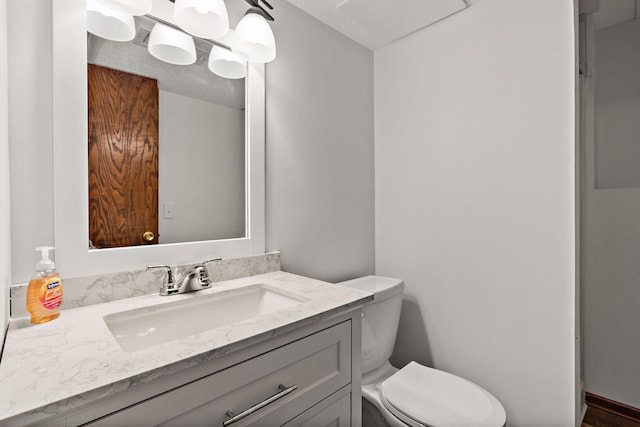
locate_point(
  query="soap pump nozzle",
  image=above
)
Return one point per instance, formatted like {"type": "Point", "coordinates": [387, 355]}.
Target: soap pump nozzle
{"type": "Point", "coordinates": [45, 263]}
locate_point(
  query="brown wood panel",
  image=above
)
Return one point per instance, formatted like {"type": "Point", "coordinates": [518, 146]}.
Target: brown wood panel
{"type": "Point", "coordinates": [123, 158]}
{"type": "Point", "coordinates": [596, 417]}
{"type": "Point", "coordinates": [603, 412]}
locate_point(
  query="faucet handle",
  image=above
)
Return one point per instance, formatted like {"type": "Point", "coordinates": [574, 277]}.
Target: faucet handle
{"type": "Point", "coordinates": [170, 286]}
{"type": "Point", "coordinates": [165, 267]}
{"type": "Point", "coordinates": [202, 276]}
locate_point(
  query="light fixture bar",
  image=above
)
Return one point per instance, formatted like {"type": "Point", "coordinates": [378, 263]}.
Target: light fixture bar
{"type": "Point", "coordinates": [266, 3]}
{"type": "Point", "coordinates": [256, 4]}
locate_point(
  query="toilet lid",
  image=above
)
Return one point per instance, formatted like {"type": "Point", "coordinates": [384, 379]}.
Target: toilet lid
{"type": "Point", "coordinates": [419, 395]}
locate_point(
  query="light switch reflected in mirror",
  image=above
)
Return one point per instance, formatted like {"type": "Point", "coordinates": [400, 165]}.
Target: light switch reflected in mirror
{"type": "Point", "coordinates": [178, 173]}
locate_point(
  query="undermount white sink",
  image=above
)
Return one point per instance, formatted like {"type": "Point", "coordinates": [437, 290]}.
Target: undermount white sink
{"type": "Point", "coordinates": [145, 327]}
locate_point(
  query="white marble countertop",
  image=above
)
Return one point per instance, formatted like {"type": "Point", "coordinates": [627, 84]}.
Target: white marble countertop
{"type": "Point", "coordinates": [57, 366]}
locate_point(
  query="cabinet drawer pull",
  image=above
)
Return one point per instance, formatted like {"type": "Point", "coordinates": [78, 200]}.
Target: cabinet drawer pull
{"type": "Point", "coordinates": [284, 390]}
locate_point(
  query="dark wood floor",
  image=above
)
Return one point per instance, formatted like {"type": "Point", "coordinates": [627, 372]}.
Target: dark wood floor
{"type": "Point", "coordinates": [599, 418]}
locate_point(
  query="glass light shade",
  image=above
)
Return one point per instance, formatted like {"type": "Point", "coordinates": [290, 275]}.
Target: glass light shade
{"type": "Point", "coordinates": [109, 24]}
{"type": "Point", "coordinates": [171, 45]}
{"type": "Point", "coordinates": [132, 7]}
{"type": "Point", "coordinates": [227, 64]}
{"type": "Point", "coordinates": [202, 18]}
{"type": "Point", "coordinates": [253, 37]}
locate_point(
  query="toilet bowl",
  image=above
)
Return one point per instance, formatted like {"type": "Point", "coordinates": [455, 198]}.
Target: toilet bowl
{"type": "Point", "coordinates": [415, 395]}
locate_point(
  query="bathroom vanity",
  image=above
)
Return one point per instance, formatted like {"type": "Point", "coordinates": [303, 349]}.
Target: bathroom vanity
{"type": "Point", "coordinates": [280, 349]}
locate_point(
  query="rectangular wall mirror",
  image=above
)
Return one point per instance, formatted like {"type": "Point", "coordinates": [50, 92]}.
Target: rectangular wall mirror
{"type": "Point", "coordinates": [202, 184]}
{"type": "Point", "coordinates": [166, 146]}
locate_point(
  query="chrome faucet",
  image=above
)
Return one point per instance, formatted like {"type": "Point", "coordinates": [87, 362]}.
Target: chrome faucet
{"type": "Point", "coordinates": [194, 280]}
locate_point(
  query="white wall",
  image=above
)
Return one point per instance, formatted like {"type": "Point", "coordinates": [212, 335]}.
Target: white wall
{"type": "Point", "coordinates": [617, 92]}
{"type": "Point", "coordinates": [611, 237]}
{"type": "Point", "coordinates": [474, 176]}
{"type": "Point", "coordinates": [30, 132]}
{"type": "Point", "coordinates": [5, 223]}
{"type": "Point", "coordinates": [611, 295]}
{"type": "Point", "coordinates": [202, 170]}
{"type": "Point", "coordinates": [320, 211]}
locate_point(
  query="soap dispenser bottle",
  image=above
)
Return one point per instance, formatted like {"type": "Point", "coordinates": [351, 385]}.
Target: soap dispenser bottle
{"type": "Point", "coordinates": [44, 293]}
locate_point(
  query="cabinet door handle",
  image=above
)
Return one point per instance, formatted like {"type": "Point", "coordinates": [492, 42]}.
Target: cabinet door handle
{"type": "Point", "coordinates": [284, 390]}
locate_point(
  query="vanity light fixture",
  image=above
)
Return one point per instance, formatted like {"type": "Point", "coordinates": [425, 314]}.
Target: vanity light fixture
{"type": "Point", "coordinates": [131, 7]}
{"type": "Point", "coordinates": [208, 20]}
{"type": "Point", "coordinates": [202, 18]}
{"type": "Point", "coordinates": [109, 23]}
{"type": "Point", "coordinates": [171, 45]}
{"type": "Point", "coordinates": [254, 36]}
{"type": "Point", "coordinates": [226, 63]}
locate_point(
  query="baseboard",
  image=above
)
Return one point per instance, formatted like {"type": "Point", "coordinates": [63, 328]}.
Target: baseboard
{"type": "Point", "coordinates": [612, 406]}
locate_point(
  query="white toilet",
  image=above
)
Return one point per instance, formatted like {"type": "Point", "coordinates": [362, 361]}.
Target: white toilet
{"type": "Point", "coordinates": [414, 395]}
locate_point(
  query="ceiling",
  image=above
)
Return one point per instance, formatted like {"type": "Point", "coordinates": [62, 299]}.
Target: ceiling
{"type": "Point", "coordinates": [368, 21]}
{"type": "Point", "coordinates": [374, 24]}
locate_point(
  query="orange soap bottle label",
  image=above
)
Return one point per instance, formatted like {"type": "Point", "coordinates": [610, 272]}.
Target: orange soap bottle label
{"type": "Point", "coordinates": [51, 293]}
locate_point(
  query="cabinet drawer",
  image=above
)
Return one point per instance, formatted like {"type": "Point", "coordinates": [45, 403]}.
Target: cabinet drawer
{"type": "Point", "coordinates": [334, 411]}
{"type": "Point", "coordinates": [318, 365]}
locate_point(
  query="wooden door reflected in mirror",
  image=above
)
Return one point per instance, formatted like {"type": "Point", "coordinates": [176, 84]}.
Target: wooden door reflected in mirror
{"type": "Point", "coordinates": [123, 158]}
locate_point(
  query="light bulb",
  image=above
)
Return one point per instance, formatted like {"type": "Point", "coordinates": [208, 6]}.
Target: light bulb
{"type": "Point", "coordinates": [253, 37]}
{"type": "Point", "coordinates": [109, 24]}
{"type": "Point", "coordinates": [226, 63]}
{"type": "Point", "coordinates": [202, 18]}
{"type": "Point", "coordinates": [171, 45]}
{"type": "Point", "coordinates": [131, 7]}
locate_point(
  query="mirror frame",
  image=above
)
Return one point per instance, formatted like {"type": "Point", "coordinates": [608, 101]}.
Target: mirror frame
{"type": "Point", "coordinates": [73, 256]}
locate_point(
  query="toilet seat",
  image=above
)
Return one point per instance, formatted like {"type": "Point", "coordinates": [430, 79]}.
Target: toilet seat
{"type": "Point", "coordinates": [422, 396]}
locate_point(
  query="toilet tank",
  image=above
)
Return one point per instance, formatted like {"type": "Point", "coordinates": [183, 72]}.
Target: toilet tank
{"type": "Point", "coordinates": [380, 318]}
